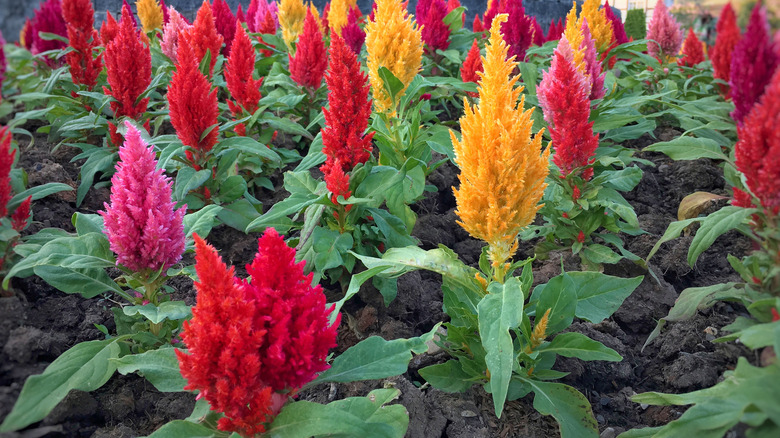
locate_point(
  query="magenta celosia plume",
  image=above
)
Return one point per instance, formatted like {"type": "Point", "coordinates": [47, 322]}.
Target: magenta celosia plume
{"type": "Point", "coordinates": [592, 64]}
{"type": "Point", "coordinates": [264, 8]}
{"type": "Point", "coordinates": [3, 63]}
{"type": "Point", "coordinates": [144, 230]}
{"type": "Point", "coordinates": [307, 66]}
{"type": "Point", "coordinates": [618, 31]}
{"type": "Point", "coordinates": [6, 161]}
{"type": "Point", "coordinates": [517, 30]}
{"type": "Point", "coordinates": [665, 30]}
{"type": "Point", "coordinates": [555, 30]}
{"type": "Point", "coordinates": [539, 38]}
{"type": "Point", "coordinates": [435, 34]}
{"type": "Point", "coordinates": [752, 64]}
{"type": "Point", "coordinates": [252, 344]}
{"type": "Point", "coordinates": [225, 22]}
{"type": "Point", "coordinates": [352, 33]}
{"type": "Point", "coordinates": [171, 31]}
{"type": "Point", "coordinates": [48, 19]}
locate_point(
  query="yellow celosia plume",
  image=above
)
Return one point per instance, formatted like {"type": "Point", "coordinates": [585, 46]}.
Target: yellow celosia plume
{"type": "Point", "coordinates": [339, 13]}
{"type": "Point", "coordinates": [317, 17]}
{"type": "Point", "coordinates": [573, 34]}
{"type": "Point", "coordinates": [598, 23]}
{"type": "Point", "coordinates": [291, 15]}
{"type": "Point", "coordinates": [393, 41]}
{"type": "Point", "coordinates": [502, 168]}
{"type": "Point", "coordinates": [150, 13]}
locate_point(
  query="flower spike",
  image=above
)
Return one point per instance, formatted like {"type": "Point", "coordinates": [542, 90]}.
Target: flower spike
{"type": "Point", "coordinates": [84, 39]}
{"type": "Point", "coordinates": [728, 34]}
{"type": "Point", "coordinates": [307, 66]}
{"type": "Point", "coordinates": [665, 30]}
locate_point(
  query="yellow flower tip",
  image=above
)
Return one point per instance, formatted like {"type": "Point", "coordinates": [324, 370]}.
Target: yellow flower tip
{"type": "Point", "coordinates": [539, 333]}
{"type": "Point", "coordinates": [150, 13]}
{"type": "Point", "coordinates": [317, 16]}
{"type": "Point", "coordinates": [393, 41]}
{"type": "Point", "coordinates": [573, 33]}
{"type": "Point", "coordinates": [291, 15]}
{"type": "Point", "coordinates": [599, 24]}
{"type": "Point", "coordinates": [502, 163]}
{"type": "Point", "coordinates": [482, 280]}
{"type": "Point", "coordinates": [338, 15]}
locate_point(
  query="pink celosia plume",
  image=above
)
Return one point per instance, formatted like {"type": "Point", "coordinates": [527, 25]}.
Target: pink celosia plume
{"type": "Point", "coordinates": [592, 64]}
{"type": "Point", "coordinates": [171, 31]}
{"type": "Point", "coordinates": [665, 30]}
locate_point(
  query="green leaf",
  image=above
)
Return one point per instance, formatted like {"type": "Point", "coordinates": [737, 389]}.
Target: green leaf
{"type": "Point", "coordinates": [600, 295]}
{"type": "Point", "coordinates": [329, 246]}
{"type": "Point", "coordinates": [188, 179]}
{"type": "Point", "coordinates": [251, 147]}
{"type": "Point", "coordinates": [393, 86]}
{"type": "Point", "coordinates": [38, 192]}
{"type": "Point", "coordinates": [285, 125]}
{"type": "Point", "coordinates": [201, 222]}
{"type": "Point", "coordinates": [498, 312]}
{"type": "Point", "coordinates": [314, 157]}
{"type": "Point", "coordinates": [232, 188]}
{"type": "Point", "coordinates": [688, 148]}
{"type": "Point", "coordinates": [160, 367]}
{"type": "Point", "coordinates": [567, 405]}
{"type": "Point", "coordinates": [672, 232]}
{"type": "Point", "coordinates": [448, 377]}
{"type": "Point", "coordinates": [624, 179]}
{"type": "Point", "coordinates": [351, 417]}
{"type": "Point", "coordinates": [560, 297]}
{"type": "Point", "coordinates": [172, 310]}
{"type": "Point", "coordinates": [577, 345]}
{"type": "Point", "coordinates": [87, 223]}
{"type": "Point", "coordinates": [185, 429]}
{"type": "Point", "coordinates": [598, 253]}
{"type": "Point", "coordinates": [85, 366]}
{"type": "Point", "coordinates": [98, 160]}
{"type": "Point", "coordinates": [713, 226]}
{"type": "Point", "coordinates": [375, 358]}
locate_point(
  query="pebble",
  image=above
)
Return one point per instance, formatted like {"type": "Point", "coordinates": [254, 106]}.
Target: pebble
{"type": "Point", "coordinates": [609, 432]}
{"type": "Point", "coordinates": [468, 414]}
{"type": "Point", "coordinates": [604, 401]}
{"type": "Point", "coordinates": [600, 418]}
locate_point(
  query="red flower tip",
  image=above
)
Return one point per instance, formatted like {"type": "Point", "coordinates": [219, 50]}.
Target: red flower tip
{"type": "Point", "coordinates": [775, 315]}
{"type": "Point", "coordinates": [240, 16]}
{"type": "Point", "coordinates": [109, 29]}
{"type": "Point", "coordinates": [308, 65]}
{"type": "Point", "coordinates": [581, 237]}
{"type": "Point", "coordinates": [538, 38]}
{"type": "Point", "coordinates": [471, 66]}
{"type": "Point", "coordinates": [742, 199]}
{"type": "Point", "coordinates": [477, 25]}
{"type": "Point", "coordinates": [618, 31]}
{"type": "Point", "coordinates": [693, 52]}
{"type": "Point", "coordinates": [48, 18]}
{"type": "Point", "coordinates": [575, 193]}
{"type": "Point", "coordinates": [204, 37]}
{"type": "Point", "coordinates": [238, 74]}
{"type": "Point", "coordinates": [21, 215]}
{"type": "Point", "coordinates": [7, 156]}
{"type": "Point", "coordinates": [225, 23]}
{"type": "Point", "coordinates": [79, 17]}
{"type": "Point", "coordinates": [268, 27]}
{"type": "Point", "coordinates": [518, 29]}
{"type": "Point", "coordinates": [728, 34]}
{"type": "Point", "coordinates": [435, 34]}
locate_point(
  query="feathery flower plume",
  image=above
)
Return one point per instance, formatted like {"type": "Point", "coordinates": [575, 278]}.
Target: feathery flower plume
{"type": "Point", "coordinates": [7, 156]}
{"type": "Point", "coordinates": [193, 106]}
{"type": "Point", "coordinates": [84, 66]}
{"type": "Point", "coordinates": [263, 8]}
{"type": "Point", "coordinates": [491, 9]}
{"type": "Point", "coordinates": [472, 66]}
{"type": "Point", "coordinates": [592, 64]}
{"type": "Point", "coordinates": [143, 229]}
{"type": "Point", "coordinates": [240, 16]}
{"type": "Point", "coordinates": [171, 33]}
{"type": "Point", "coordinates": [150, 13]}
{"type": "Point", "coordinates": [338, 14]}
{"type": "Point", "coordinates": [164, 9]}
{"type": "Point", "coordinates": [25, 35]}
{"type": "Point", "coordinates": [238, 75]}
{"type": "Point", "coordinates": [292, 14]}
{"type": "Point", "coordinates": [109, 29]}
{"type": "Point", "coordinates": [502, 168]}
{"type": "Point", "coordinates": [129, 70]}
{"type": "Point", "coordinates": [477, 25]}
{"type": "Point", "coordinates": [618, 31]}
{"type": "Point", "coordinates": [728, 34]}
{"type": "Point", "coordinates": [393, 40]}
{"type": "Point", "coordinates": [353, 35]}
{"type": "Point", "coordinates": [251, 14]}
{"type": "Point", "coordinates": [346, 119]}
{"type": "Point", "coordinates": [692, 50]}
{"type": "Point", "coordinates": [3, 63]}
{"type": "Point", "coordinates": [253, 344]}
{"type": "Point", "coordinates": [539, 38]}
{"type": "Point", "coordinates": [225, 23]}
{"type": "Point", "coordinates": [308, 65]}
{"type": "Point", "coordinates": [665, 30]}
{"type": "Point", "coordinates": [268, 26]}
{"type": "Point", "coordinates": [318, 19]}
{"type": "Point", "coordinates": [573, 34]}
{"type": "Point", "coordinates": [435, 34]}
{"type": "Point", "coordinates": [752, 64]}
{"type": "Point", "coordinates": [758, 148]}
{"type": "Point", "coordinates": [600, 26]}
{"type": "Point", "coordinates": [48, 18]}
{"type": "Point", "coordinates": [518, 30]}
{"type": "Point", "coordinates": [564, 97]}
{"type": "Point", "coordinates": [555, 31]}
{"type": "Point", "coordinates": [203, 36]}
{"type": "Point", "coordinates": [132, 17]}
{"type": "Point", "coordinates": [21, 215]}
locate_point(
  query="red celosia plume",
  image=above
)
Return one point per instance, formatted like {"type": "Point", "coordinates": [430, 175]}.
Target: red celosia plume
{"type": "Point", "coordinates": [693, 52]}
{"type": "Point", "coordinates": [555, 31]}
{"type": "Point", "coordinates": [728, 35]}
{"type": "Point", "coordinates": [203, 36]}
{"type": "Point", "coordinates": [240, 16]}
{"type": "Point", "coordinates": [435, 34]}
{"type": "Point", "coordinates": [308, 65]}
{"type": "Point", "coordinates": [108, 29]}
{"type": "Point", "coordinates": [470, 67]}
{"type": "Point", "coordinates": [238, 74]}
{"type": "Point", "coordinates": [539, 38]}
{"type": "Point", "coordinates": [252, 344]}
{"type": "Point", "coordinates": [84, 66]}
{"type": "Point", "coordinates": [225, 23]}
{"type": "Point", "coordinates": [21, 215]}
{"type": "Point", "coordinates": [6, 161]}
{"type": "Point", "coordinates": [267, 26]}
{"type": "Point", "coordinates": [47, 18]}
{"type": "Point", "coordinates": [193, 105]}
{"type": "Point", "coordinates": [517, 30]}
{"type": "Point", "coordinates": [758, 148]}
{"type": "Point", "coordinates": [618, 31]}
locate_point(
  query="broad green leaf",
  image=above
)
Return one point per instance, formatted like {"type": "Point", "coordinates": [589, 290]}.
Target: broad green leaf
{"type": "Point", "coordinates": [85, 366]}
{"type": "Point", "coordinates": [201, 222]}
{"type": "Point", "coordinates": [560, 296]}
{"type": "Point", "coordinates": [329, 246]}
{"type": "Point", "coordinates": [598, 253]}
{"type": "Point", "coordinates": [172, 310]}
{"type": "Point", "coordinates": [232, 188]}
{"type": "Point", "coordinates": [688, 148]}
{"type": "Point", "coordinates": [392, 85]}
{"type": "Point", "coordinates": [577, 345]}
{"type": "Point", "coordinates": [355, 282]}
{"type": "Point", "coordinates": [87, 223]}
{"type": "Point", "coordinates": [715, 225]}
{"type": "Point", "coordinates": [448, 377]}
{"type": "Point", "coordinates": [352, 417]}
{"type": "Point", "coordinates": [188, 179]}
{"type": "Point", "coordinates": [567, 405]}
{"type": "Point", "coordinates": [37, 192]}
{"type": "Point", "coordinates": [285, 125]}
{"type": "Point", "coordinates": [600, 295]}
{"type": "Point", "coordinates": [498, 312]}
{"type": "Point", "coordinates": [160, 367]}
{"type": "Point", "coordinates": [98, 160]}
{"type": "Point", "coordinates": [623, 179]}
{"type": "Point", "coordinates": [375, 358]}
{"type": "Point", "coordinates": [239, 214]}
{"type": "Point", "coordinates": [251, 147]}
{"type": "Point", "coordinates": [185, 429]}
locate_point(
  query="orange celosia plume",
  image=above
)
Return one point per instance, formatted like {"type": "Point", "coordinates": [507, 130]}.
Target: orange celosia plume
{"type": "Point", "coordinates": [600, 26]}
{"type": "Point", "coordinates": [203, 36]}
{"type": "Point", "coordinates": [502, 168]}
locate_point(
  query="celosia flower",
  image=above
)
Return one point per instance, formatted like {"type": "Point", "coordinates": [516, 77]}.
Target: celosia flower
{"type": "Point", "coordinates": [125, 4]}
{"type": "Point", "coordinates": [336, 181]}
{"type": "Point", "coordinates": [752, 64]}
{"type": "Point", "coordinates": [21, 215]}
{"type": "Point", "coordinates": [109, 29]}
{"type": "Point", "coordinates": [471, 67]}
{"type": "Point", "coordinates": [728, 34]}
{"type": "Point", "coordinates": [244, 90]}
{"type": "Point", "coordinates": [48, 18]}
{"type": "Point", "coordinates": [253, 344]}
{"type": "Point", "coordinates": [193, 105]}
{"type": "Point", "coordinates": [477, 25]}
{"type": "Point", "coordinates": [573, 34]}
{"type": "Point", "coordinates": [618, 31]}
{"type": "Point", "coordinates": [251, 15]}
{"type": "Point", "coordinates": [600, 26]}
{"type": "Point", "coordinates": [392, 41]}
{"type": "Point", "coordinates": [307, 66]}
{"type": "Point", "coordinates": [435, 34]}
{"type": "Point", "coordinates": [79, 17]}
{"type": "Point", "coordinates": [164, 9]}
{"type": "Point", "coordinates": [203, 36]}
{"type": "Point", "coordinates": [758, 148]}
{"type": "Point", "coordinates": [25, 35]}
{"type": "Point", "coordinates": [268, 26]}
{"type": "Point", "coordinates": [3, 62]}
{"type": "Point", "coordinates": [353, 34]}
{"type": "Point", "coordinates": [564, 97]}
{"type": "Point", "coordinates": [518, 29]}
{"type": "Point", "coordinates": [225, 23]}
{"type": "Point", "coordinates": [143, 229]}
{"type": "Point", "coordinates": [150, 13]}
{"type": "Point", "coordinates": [693, 52]}
{"type": "Point", "coordinates": [338, 14]}
{"type": "Point", "coordinates": [538, 39]}
{"type": "Point", "coordinates": [171, 32]}
{"type": "Point", "coordinates": [491, 9]}
{"type": "Point", "coordinates": [129, 71]}
{"type": "Point", "coordinates": [555, 31]}
{"type": "Point", "coordinates": [292, 14]}
{"type": "Point", "coordinates": [346, 119]}
{"type": "Point", "coordinates": [263, 8]}
{"type": "Point", "coordinates": [592, 64]}
{"type": "Point", "coordinates": [665, 31]}
{"type": "Point", "coordinates": [240, 16]}
{"type": "Point", "coordinates": [7, 156]}
{"type": "Point", "coordinates": [317, 19]}
{"type": "Point", "coordinates": [502, 166]}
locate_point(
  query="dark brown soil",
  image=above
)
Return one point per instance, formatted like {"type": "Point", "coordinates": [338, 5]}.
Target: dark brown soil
{"type": "Point", "coordinates": [39, 323]}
